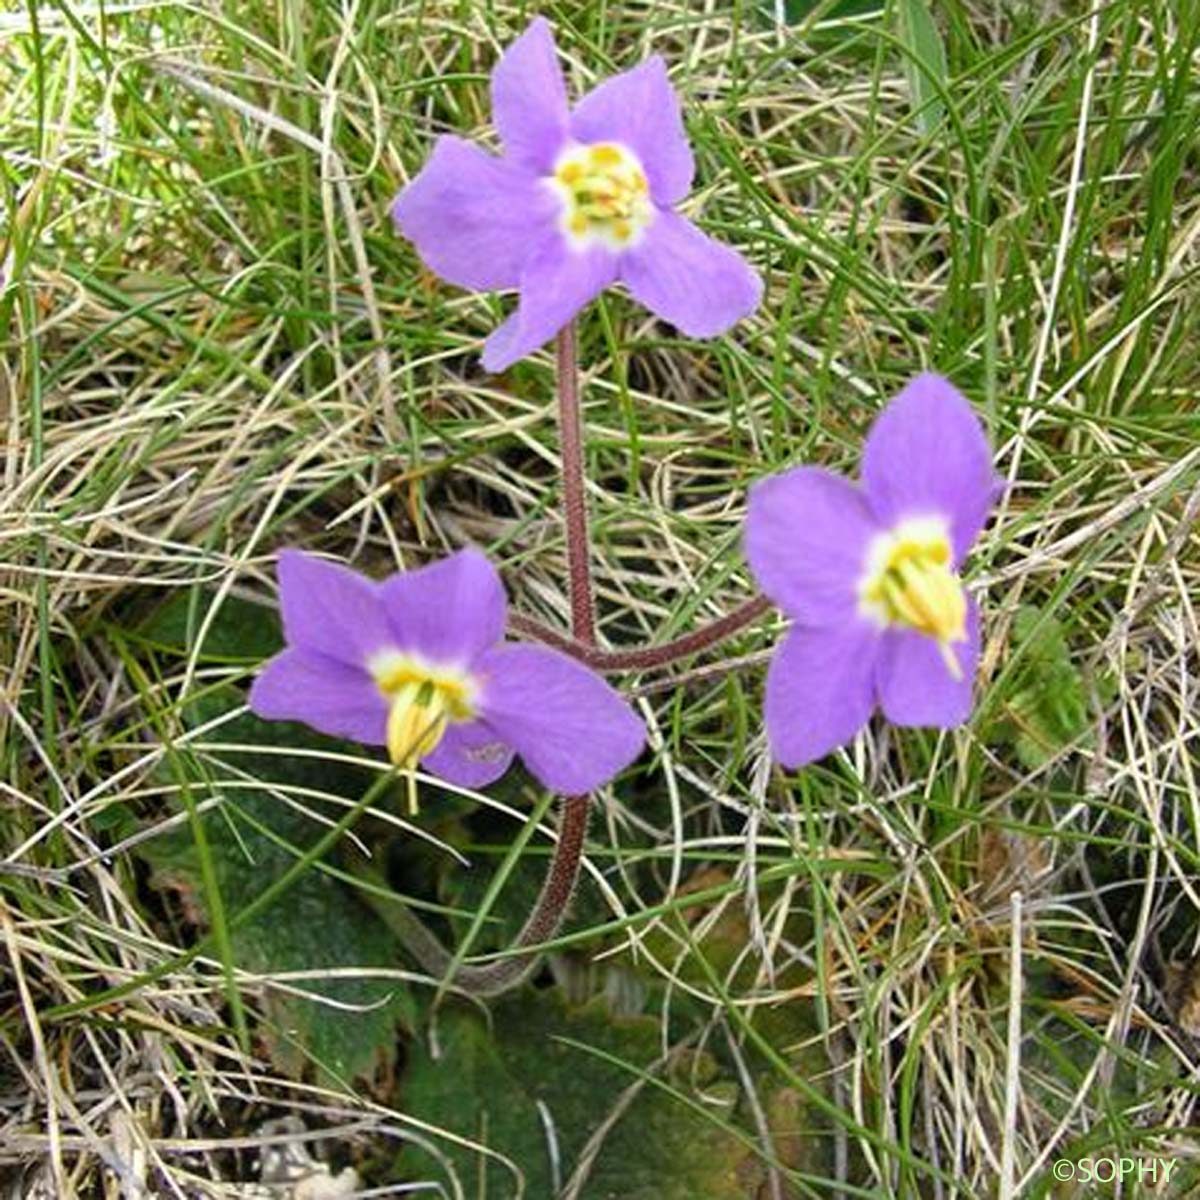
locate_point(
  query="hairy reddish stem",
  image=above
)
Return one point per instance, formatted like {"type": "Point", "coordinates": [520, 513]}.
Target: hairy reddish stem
{"type": "Point", "coordinates": [574, 480]}
{"type": "Point", "coordinates": [644, 658]}
{"type": "Point", "coordinates": [490, 979]}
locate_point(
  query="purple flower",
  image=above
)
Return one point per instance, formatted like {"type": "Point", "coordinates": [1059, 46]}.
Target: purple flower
{"type": "Point", "coordinates": [869, 574]}
{"type": "Point", "coordinates": [417, 663]}
{"type": "Point", "coordinates": [581, 198]}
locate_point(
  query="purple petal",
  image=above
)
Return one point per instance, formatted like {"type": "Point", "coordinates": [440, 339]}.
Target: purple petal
{"type": "Point", "coordinates": [640, 109]}
{"type": "Point", "coordinates": [570, 728]}
{"type": "Point", "coordinates": [700, 285]}
{"type": "Point", "coordinates": [473, 218]}
{"type": "Point", "coordinates": [470, 755]}
{"type": "Point", "coordinates": [333, 698]}
{"type": "Point", "coordinates": [807, 533]}
{"type": "Point", "coordinates": [914, 684]}
{"type": "Point", "coordinates": [329, 609]}
{"type": "Point", "coordinates": [820, 690]}
{"type": "Point", "coordinates": [529, 100]}
{"type": "Point", "coordinates": [927, 455]}
{"type": "Point", "coordinates": [448, 612]}
{"type": "Point", "coordinates": [556, 283]}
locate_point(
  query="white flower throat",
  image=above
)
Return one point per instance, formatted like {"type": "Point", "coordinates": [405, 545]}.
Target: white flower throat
{"type": "Point", "coordinates": [605, 197]}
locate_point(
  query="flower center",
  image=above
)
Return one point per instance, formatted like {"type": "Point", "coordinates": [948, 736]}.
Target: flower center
{"type": "Point", "coordinates": [604, 193]}
{"type": "Point", "coordinates": [909, 582]}
{"type": "Point", "coordinates": [422, 701]}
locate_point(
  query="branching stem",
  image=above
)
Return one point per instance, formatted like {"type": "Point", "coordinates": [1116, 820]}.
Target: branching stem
{"type": "Point", "coordinates": [644, 658]}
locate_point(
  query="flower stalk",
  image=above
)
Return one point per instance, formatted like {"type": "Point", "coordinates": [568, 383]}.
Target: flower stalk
{"type": "Point", "coordinates": [644, 658]}
{"type": "Point", "coordinates": [574, 489]}
{"type": "Point", "coordinates": [563, 873]}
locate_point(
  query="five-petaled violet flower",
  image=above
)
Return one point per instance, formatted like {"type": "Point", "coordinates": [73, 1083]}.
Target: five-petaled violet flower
{"type": "Point", "coordinates": [869, 574]}
{"type": "Point", "coordinates": [417, 663]}
{"type": "Point", "coordinates": [582, 197]}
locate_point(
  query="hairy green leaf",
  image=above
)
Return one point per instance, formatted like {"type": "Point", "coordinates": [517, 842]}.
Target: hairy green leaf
{"type": "Point", "coordinates": [558, 1091]}
{"type": "Point", "coordinates": [1048, 709]}
{"type": "Point", "coordinates": [274, 795]}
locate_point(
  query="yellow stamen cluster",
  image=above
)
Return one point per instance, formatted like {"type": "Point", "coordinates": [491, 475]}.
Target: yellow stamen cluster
{"type": "Point", "coordinates": [604, 192]}
{"type": "Point", "coordinates": [910, 582]}
{"type": "Point", "coordinates": [422, 701]}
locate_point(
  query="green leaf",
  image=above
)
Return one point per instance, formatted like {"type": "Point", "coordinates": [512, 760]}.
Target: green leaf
{"type": "Point", "coordinates": [241, 631]}
{"type": "Point", "coordinates": [319, 926]}
{"type": "Point", "coordinates": [1048, 708]}
{"type": "Point", "coordinates": [924, 61]}
{"type": "Point", "coordinates": [795, 11]}
{"type": "Point", "coordinates": [539, 1074]}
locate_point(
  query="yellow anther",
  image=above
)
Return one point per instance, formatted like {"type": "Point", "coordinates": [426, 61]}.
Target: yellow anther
{"type": "Point", "coordinates": [606, 155]}
{"type": "Point", "coordinates": [604, 194]}
{"type": "Point", "coordinates": [910, 583]}
{"type": "Point", "coordinates": [416, 722]}
{"type": "Point", "coordinates": [422, 701]}
{"type": "Point", "coordinates": [924, 594]}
